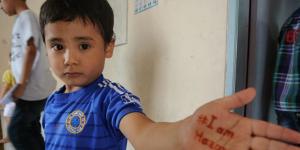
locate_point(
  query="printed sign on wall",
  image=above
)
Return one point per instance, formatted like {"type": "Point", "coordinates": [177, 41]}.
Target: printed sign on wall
{"type": "Point", "coordinates": [142, 5]}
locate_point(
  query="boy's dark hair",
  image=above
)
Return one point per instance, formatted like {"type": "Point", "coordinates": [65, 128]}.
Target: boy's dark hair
{"type": "Point", "coordinates": [97, 12]}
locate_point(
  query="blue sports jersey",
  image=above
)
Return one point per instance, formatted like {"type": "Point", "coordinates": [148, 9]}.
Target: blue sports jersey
{"type": "Point", "coordinates": [88, 118]}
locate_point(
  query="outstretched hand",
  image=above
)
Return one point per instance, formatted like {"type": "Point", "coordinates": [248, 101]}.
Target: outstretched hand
{"type": "Point", "coordinates": [214, 127]}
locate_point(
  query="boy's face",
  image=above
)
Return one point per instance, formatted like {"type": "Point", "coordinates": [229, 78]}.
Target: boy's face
{"type": "Point", "coordinates": [76, 52]}
{"type": "Point", "coordinates": [8, 6]}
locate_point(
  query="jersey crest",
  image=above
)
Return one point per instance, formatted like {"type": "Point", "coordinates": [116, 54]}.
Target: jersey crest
{"type": "Point", "coordinates": [76, 122]}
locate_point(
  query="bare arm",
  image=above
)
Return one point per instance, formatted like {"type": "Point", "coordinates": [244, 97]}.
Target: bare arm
{"type": "Point", "coordinates": [145, 134]}
{"type": "Point", "coordinates": [5, 88]}
{"type": "Point", "coordinates": [27, 66]}
{"type": "Point", "coordinates": [212, 126]}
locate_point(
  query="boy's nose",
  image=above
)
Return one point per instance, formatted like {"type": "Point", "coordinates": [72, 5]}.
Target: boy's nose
{"type": "Point", "coordinates": [71, 58]}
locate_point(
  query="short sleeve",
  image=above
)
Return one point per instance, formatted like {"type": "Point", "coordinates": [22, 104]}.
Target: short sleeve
{"type": "Point", "coordinates": [31, 28]}
{"type": "Point", "coordinates": [119, 104]}
{"type": "Point", "coordinates": [8, 77]}
{"type": "Point", "coordinates": [123, 105]}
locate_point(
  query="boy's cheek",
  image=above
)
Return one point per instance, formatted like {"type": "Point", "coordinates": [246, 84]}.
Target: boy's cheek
{"type": "Point", "coordinates": [55, 65]}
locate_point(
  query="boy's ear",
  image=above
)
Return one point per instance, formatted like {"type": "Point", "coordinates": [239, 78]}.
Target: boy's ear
{"type": "Point", "coordinates": [110, 49]}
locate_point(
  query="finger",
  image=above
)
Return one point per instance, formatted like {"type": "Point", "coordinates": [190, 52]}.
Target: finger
{"type": "Point", "coordinates": [238, 99]}
{"type": "Point", "coordinates": [260, 143]}
{"type": "Point", "coordinates": [272, 131]}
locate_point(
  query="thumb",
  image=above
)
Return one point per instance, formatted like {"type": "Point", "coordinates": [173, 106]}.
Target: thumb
{"type": "Point", "coordinates": [238, 99]}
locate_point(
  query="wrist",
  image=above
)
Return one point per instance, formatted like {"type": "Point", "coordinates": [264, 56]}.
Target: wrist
{"type": "Point", "coordinates": [15, 97]}
{"type": "Point", "coordinates": [18, 91]}
{"type": "Point", "coordinates": [184, 130]}
{"type": "Point", "coordinates": [23, 82]}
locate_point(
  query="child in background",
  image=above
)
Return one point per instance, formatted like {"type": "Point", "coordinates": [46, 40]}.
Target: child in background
{"type": "Point", "coordinates": [34, 81]}
{"type": "Point", "coordinates": [92, 112]}
{"type": "Point", "coordinates": [8, 82]}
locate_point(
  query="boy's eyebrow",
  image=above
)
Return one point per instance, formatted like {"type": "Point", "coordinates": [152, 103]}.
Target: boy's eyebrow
{"type": "Point", "coordinates": [51, 40]}
{"type": "Point", "coordinates": [86, 38]}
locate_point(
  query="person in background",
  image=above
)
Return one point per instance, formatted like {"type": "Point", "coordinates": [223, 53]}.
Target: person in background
{"type": "Point", "coordinates": [92, 112]}
{"type": "Point", "coordinates": [34, 81]}
{"type": "Point", "coordinates": [8, 82]}
{"type": "Point", "coordinates": [286, 78]}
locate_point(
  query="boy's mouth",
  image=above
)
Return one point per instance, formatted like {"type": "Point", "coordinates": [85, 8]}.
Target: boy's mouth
{"type": "Point", "coordinates": [72, 74]}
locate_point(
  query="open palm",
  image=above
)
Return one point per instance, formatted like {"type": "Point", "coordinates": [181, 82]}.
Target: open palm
{"type": "Point", "coordinates": [214, 127]}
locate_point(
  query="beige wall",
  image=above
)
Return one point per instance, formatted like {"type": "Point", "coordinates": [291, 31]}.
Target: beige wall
{"type": "Point", "coordinates": [5, 36]}
{"type": "Point", "coordinates": [174, 59]}
{"type": "Point", "coordinates": [175, 56]}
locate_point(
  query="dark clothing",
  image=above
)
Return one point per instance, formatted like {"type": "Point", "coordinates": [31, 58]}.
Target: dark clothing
{"type": "Point", "coordinates": [289, 119]}
{"type": "Point", "coordinates": [25, 129]}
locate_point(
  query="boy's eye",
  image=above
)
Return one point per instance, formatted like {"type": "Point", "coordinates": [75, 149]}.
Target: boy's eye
{"type": "Point", "coordinates": [57, 47]}
{"type": "Point", "coordinates": [84, 46]}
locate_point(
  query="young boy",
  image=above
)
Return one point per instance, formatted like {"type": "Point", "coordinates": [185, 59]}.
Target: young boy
{"type": "Point", "coordinates": [91, 112]}
{"type": "Point", "coordinates": [34, 81]}
{"type": "Point", "coordinates": [8, 81]}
